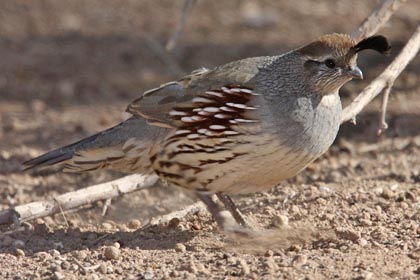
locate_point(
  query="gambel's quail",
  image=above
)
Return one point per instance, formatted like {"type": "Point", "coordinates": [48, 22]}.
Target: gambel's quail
{"type": "Point", "coordinates": [238, 128]}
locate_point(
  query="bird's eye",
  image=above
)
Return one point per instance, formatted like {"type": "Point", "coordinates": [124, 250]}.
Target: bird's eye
{"type": "Point", "coordinates": [330, 63]}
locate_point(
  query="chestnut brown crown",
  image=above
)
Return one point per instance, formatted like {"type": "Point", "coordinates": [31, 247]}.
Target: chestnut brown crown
{"type": "Point", "coordinates": [330, 61]}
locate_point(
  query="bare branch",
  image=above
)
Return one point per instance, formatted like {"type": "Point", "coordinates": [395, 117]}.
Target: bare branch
{"type": "Point", "coordinates": [382, 120]}
{"type": "Point", "coordinates": [180, 26]}
{"type": "Point", "coordinates": [379, 16]}
{"type": "Point", "coordinates": [165, 57]}
{"type": "Point", "coordinates": [77, 198]}
{"type": "Point", "coordinates": [386, 78]}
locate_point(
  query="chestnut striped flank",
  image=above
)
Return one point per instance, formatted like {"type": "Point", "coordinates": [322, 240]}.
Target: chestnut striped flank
{"type": "Point", "coordinates": [205, 136]}
{"type": "Point", "coordinates": [213, 113]}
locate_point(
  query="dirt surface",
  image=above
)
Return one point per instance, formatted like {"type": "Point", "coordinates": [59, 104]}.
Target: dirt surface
{"type": "Point", "coordinates": [69, 68]}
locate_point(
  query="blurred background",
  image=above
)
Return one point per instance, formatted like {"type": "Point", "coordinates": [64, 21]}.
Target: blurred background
{"type": "Point", "coordinates": [69, 68]}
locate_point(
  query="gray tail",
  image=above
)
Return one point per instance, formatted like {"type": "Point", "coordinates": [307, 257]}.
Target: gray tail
{"type": "Point", "coordinates": [59, 155]}
{"type": "Point", "coordinates": [112, 137]}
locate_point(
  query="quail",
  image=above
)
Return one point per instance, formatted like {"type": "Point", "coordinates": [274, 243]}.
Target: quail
{"type": "Point", "coordinates": [241, 127]}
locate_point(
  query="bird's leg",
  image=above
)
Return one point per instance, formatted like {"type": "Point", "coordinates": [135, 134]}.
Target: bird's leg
{"type": "Point", "coordinates": [237, 225]}
{"type": "Point", "coordinates": [231, 207]}
{"type": "Point", "coordinates": [213, 208]}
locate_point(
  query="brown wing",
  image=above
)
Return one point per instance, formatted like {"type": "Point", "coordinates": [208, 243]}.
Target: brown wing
{"type": "Point", "coordinates": [155, 104]}
{"type": "Point", "coordinates": [207, 132]}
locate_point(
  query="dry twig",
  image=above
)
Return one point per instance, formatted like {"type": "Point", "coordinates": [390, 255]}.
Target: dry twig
{"type": "Point", "coordinates": [379, 16]}
{"type": "Point", "coordinates": [166, 58]}
{"type": "Point", "coordinates": [105, 207]}
{"type": "Point", "coordinates": [180, 26]}
{"type": "Point", "coordinates": [77, 198]}
{"type": "Point", "coordinates": [387, 77]}
{"type": "Point", "coordinates": [191, 209]}
{"type": "Point", "coordinates": [382, 120]}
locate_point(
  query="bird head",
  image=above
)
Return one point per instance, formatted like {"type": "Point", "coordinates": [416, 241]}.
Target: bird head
{"type": "Point", "coordinates": [331, 61]}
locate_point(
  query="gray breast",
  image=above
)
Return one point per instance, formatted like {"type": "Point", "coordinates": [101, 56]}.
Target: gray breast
{"type": "Point", "coordinates": [304, 123]}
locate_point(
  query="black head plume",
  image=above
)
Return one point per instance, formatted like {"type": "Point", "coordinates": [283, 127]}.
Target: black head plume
{"type": "Point", "coordinates": [378, 43]}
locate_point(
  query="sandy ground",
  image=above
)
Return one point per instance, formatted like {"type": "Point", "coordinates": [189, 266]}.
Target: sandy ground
{"type": "Point", "coordinates": [69, 68]}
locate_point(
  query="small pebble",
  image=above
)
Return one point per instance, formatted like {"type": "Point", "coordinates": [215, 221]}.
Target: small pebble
{"type": "Point", "coordinates": [394, 187]}
{"type": "Point", "coordinates": [269, 253]}
{"type": "Point", "coordinates": [123, 228]}
{"type": "Point", "coordinates": [188, 275]}
{"type": "Point", "coordinates": [107, 226]}
{"type": "Point", "coordinates": [299, 260]}
{"type": "Point", "coordinates": [65, 265]}
{"type": "Point", "coordinates": [366, 222]}
{"type": "Point", "coordinates": [119, 270]}
{"type": "Point", "coordinates": [93, 277]}
{"type": "Point", "coordinates": [54, 253]}
{"type": "Point", "coordinates": [270, 264]}
{"type": "Point", "coordinates": [387, 193]}
{"type": "Point", "coordinates": [190, 266]}
{"type": "Point", "coordinates": [134, 224]}
{"type": "Point", "coordinates": [19, 253]}
{"type": "Point", "coordinates": [295, 209]}
{"type": "Point", "coordinates": [58, 275]}
{"type": "Point", "coordinates": [103, 268]}
{"type": "Point", "coordinates": [245, 270]}
{"type": "Point", "coordinates": [180, 248]}
{"type": "Point", "coordinates": [363, 242]}
{"type": "Point", "coordinates": [196, 226]}
{"type": "Point", "coordinates": [367, 275]}
{"type": "Point", "coordinates": [148, 275]}
{"type": "Point", "coordinates": [174, 222]}
{"type": "Point", "coordinates": [200, 267]}
{"type": "Point", "coordinates": [280, 221]}
{"type": "Point", "coordinates": [403, 205]}
{"type": "Point", "coordinates": [112, 253]}
{"type": "Point", "coordinates": [268, 210]}
{"type": "Point", "coordinates": [295, 248]}
{"type": "Point", "coordinates": [415, 254]}
{"type": "Point", "coordinates": [79, 255]}
{"type": "Point", "coordinates": [329, 217]}
{"type": "Point", "coordinates": [43, 256]}
{"type": "Point", "coordinates": [55, 267]}
{"type": "Point", "coordinates": [324, 189]}
{"type": "Point", "coordinates": [174, 274]}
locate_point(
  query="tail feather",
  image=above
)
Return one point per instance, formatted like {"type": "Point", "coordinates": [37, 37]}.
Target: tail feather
{"type": "Point", "coordinates": [60, 155]}
{"type": "Point", "coordinates": [97, 151]}
{"type": "Point", "coordinates": [49, 158]}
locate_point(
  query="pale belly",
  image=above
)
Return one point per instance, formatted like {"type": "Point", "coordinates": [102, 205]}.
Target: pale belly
{"type": "Point", "coordinates": [261, 170]}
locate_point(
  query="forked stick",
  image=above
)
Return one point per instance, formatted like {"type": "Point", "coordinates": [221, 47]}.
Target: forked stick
{"type": "Point", "coordinates": [377, 18]}
{"type": "Point", "coordinates": [180, 26]}
{"type": "Point", "coordinates": [77, 198]}
{"type": "Point", "coordinates": [387, 77]}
